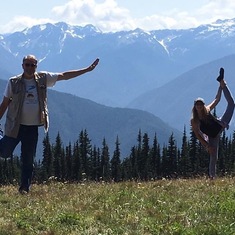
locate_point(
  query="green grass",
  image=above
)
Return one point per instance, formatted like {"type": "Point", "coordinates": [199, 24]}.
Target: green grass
{"type": "Point", "coordinates": [179, 207]}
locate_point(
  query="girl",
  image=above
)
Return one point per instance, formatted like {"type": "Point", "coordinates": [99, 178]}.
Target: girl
{"type": "Point", "coordinates": [206, 127]}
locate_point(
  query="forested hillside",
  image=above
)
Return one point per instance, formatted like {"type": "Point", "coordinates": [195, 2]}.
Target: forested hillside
{"type": "Point", "coordinates": [80, 160]}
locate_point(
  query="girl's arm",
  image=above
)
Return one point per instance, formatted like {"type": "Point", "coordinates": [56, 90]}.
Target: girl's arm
{"type": "Point", "coordinates": [199, 134]}
{"type": "Point", "coordinates": [216, 100]}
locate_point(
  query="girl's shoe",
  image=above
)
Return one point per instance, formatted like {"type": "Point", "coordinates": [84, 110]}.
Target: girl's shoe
{"type": "Point", "coordinates": [221, 75]}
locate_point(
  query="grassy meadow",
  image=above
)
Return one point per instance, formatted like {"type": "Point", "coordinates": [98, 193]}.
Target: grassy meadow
{"type": "Point", "coordinates": [179, 207]}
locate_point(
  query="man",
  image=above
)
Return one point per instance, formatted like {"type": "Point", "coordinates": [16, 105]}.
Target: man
{"type": "Point", "coordinates": [25, 100]}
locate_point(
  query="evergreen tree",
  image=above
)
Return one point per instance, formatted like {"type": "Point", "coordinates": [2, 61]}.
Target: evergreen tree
{"type": "Point", "coordinates": [144, 161]}
{"type": "Point", "coordinates": [68, 159]}
{"type": "Point", "coordinates": [165, 167]}
{"type": "Point", "coordinates": [139, 156]}
{"type": "Point", "coordinates": [85, 153]}
{"type": "Point", "coordinates": [76, 165]}
{"type": "Point", "coordinates": [11, 171]}
{"type": "Point", "coordinates": [5, 169]}
{"type": "Point", "coordinates": [172, 157]}
{"type": "Point", "coordinates": [155, 159]}
{"type": "Point", "coordinates": [133, 163]}
{"type": "Point", "coordinates": [63, 166]}
{"type": "Point", "coordinates": [184, 160]}
{"type": "Point", "coordinates": [105, 164]}
{"type": "Point", "coordinates": [37, 172]}
{"type": "Point", "coordinates": [96, 162]}
{"type": "Point", "coordinates": [230, 161]}
{"type": "Point", "coordinates": [116, 163]}
{"type": "Point", "coordinates": [1, 172]}
{"type": "Point", "coordinates": [223, 161]}
{"type": "Point", "coordinates": [232, 155]}
{"type": "Point", "coordinates": [58, 155]}
{"type": "Point", "coordinates": [126, 170]}
{"type": "Point", "coordinates": [195, 159]}
{"type": "Point", "coordinates": [47, 159]}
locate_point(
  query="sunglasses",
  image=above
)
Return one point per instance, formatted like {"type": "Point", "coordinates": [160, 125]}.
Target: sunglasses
{"type": "Point", "coordinates": [30, 65]}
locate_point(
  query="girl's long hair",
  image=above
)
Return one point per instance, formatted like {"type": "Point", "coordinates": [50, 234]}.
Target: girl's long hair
{"type": "Point", "coordinates": [195, 116]}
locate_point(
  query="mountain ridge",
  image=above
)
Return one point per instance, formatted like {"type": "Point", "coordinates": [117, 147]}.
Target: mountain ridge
{"type": "Point", "coordinates": [198, 82]}
{"type": "Point", "coordinates": [131, 62]}
{"type": "Point", "coordinates": [69, 115]}
{"type": "Point", "coordinates": [134, 64]}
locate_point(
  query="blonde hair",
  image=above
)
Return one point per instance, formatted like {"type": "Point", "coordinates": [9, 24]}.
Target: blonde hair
{"type": "Point", "coordinates": [195, 116]}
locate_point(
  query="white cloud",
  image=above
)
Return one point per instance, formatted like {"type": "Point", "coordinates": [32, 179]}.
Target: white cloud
{"type": "Point", "coordinates": [214, 10]}
{"type": "Point", "coordinates": [19, 23]}
{"type": "Point", "coordinates": [177, 19]}
{"type": "Point", "coordinates": [107, 15]}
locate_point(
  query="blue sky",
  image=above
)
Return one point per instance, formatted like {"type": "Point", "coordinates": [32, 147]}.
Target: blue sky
{"type": "Point", "coordinates": [114, 15]}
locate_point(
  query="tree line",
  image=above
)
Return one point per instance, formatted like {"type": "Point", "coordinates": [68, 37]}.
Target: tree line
{"type": "Point", "coordinates": [80, 161]}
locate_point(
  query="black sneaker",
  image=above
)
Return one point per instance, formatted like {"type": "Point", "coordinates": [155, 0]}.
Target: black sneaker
{"type": "Point", "coordinates": [23, 190]}
{"type": "Point", "coordinates": [221, 75]}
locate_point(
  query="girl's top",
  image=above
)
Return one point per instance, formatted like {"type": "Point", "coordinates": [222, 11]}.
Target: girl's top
{"type": "Point", "coordinates": [210, 126]}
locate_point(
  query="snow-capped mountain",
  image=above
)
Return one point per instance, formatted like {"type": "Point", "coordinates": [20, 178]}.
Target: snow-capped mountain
{"type": "Point", "coordinates": [131, 62]}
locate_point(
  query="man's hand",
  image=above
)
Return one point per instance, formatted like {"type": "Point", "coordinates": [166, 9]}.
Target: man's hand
{"type": "Point", "coordinates": [75, 73]}
{"type": "Point", "coordinates": [93, 65]}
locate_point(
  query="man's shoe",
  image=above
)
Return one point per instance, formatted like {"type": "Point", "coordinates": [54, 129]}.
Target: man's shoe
{"type": "Point", "coordinates": [23, 190]}
{"type": "Point", "coordinates": [221, 75]}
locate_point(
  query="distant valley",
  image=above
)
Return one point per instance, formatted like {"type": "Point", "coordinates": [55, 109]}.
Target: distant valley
{"type": "Point", "coordinates": [69, 115]}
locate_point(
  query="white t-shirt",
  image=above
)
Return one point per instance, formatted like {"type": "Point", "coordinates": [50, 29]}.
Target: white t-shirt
{"type": "Point", "coordinates": [30, 109]}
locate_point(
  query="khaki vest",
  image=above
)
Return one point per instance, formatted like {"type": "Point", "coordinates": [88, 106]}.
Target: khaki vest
{"type": "Point", "coordinates": [15, 107]}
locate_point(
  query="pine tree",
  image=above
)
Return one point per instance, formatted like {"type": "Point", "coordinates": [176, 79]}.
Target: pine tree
{"type": "Point", "coordinates": [96, 164]}
{"type": "Point", "coordinates": [184, 163]}
{"type": "Point", "coordinates": [133, 163]}
{"type": "Point", "coordinates": [126, 170]}
{"type": "Point", "coordinates": [116, 163]}
{"type": "Point", "coordinates": [76, 164]}
{"type": "Point", "coordinates": [155, 159]}
{"type": "Point", "coordinates": [63, 166]}
{"type": "Point", "coordinates": [11, 170]}
{"type": "Point", "coordinates": [165, 167]}
{"type": "Point", "coordinates": [1, 172]}
{"type": "Point", "coordinates": [5, 169]}
{"type": "Point", "coordinates": [68, 159]}
{"type": "Point", "coordinates": [47, 160]}
{"type": "Point", "coordinates": [139, 155]}
{"type": "Point", "coordinates": [194, 157]}
{"type": "Point", "coordinates": [223, 162]}
{"type": "Point", "coordinates": [172, 155]}
{"type": "Point", "coordinates": [85, 153]}
{"type": "Point", "coordinates": [105, 164]}
{"type": "Point", "coordinates": [58, 155]}
{"type": "Point", "coordinates": [232, 155]}
{"type": "Point", "coordinates": [144, 161]}
{"type": "Point", "coordinates": [230, 161]}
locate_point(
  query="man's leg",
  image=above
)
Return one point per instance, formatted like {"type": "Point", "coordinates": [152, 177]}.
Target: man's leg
{"type": "Point", "coordinates": [29, 139]}
{"type": "Point", "coordinates": [7, 146]}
